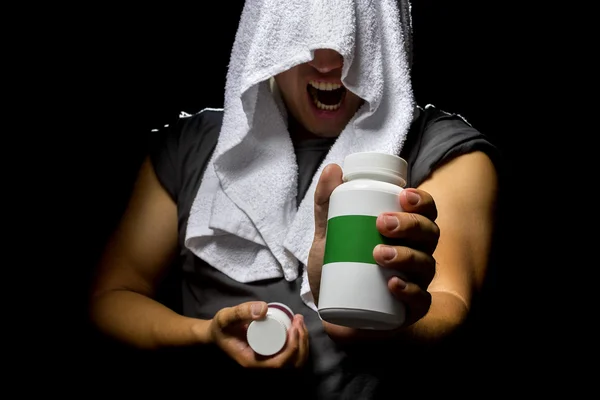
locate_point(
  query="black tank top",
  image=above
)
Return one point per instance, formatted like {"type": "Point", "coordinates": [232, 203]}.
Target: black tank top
{"type": "Point", "coordinates": [180, 155]}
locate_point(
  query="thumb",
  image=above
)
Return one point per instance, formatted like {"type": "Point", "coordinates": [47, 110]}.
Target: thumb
{"type": "Point", "coordinates": [330, 178]}
{"type": "Point", "coordinates": [242, 313]}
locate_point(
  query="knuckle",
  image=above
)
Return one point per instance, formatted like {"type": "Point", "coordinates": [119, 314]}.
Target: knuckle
{"type": "Point", "coordinates": [220, 317]}
{"type": "Point", "coordinates": [436, 230]}
{"type": "Point", "coordinates": [239, 315]}
{"type": "Point", "coordinates": [295, 347]}
{"type": "Point", "coordinates": [429, 204]}
{"type": "Point", "coordinates": [411, 221]}
{"type": "Point", "coordinates": [427, 301]}
{"type": "Point", "coordinates": [405, 255]}
{"type": "Point", "coordinates": [433, 269]}
{"type": "Point", "coordinates": [434, 210]}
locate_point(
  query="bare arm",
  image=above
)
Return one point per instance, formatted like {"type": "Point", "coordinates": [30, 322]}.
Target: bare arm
{"type": "Point", "coordinates": [465, 192]}
{"type": "Point", "coordinates": [135, 259]}
{"type": "Point", "coordinates": [463, 196]}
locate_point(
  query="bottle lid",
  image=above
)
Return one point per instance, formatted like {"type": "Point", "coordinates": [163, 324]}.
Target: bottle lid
{"type": "Point", "coordinates": [266, 336]}
{"type": "Point", "coordinates": [391, 166]}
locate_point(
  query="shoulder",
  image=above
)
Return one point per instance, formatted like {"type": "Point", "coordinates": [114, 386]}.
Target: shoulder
{"type": "Point", "coordinates": [187, 133]}
{"type": "Point", "coordinates": [437, 137]}
{"type": "Point", "coordinates": [201, 126]}
{"type": "Point", "coordinates": [183, 147]}
{"type": "Point", "coordinates": [203, 120]}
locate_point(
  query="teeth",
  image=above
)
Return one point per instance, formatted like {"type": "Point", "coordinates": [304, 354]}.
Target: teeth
{"type": "Point", "coordinates": [324, 85]}
{"type": "Point", "coordinates": [325, 106]}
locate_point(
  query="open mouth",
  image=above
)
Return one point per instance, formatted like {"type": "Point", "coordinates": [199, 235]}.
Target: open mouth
{"type": "Point", "coordinates": [326, 96]}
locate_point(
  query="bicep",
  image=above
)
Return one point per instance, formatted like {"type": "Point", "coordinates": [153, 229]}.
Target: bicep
{"type": "Point", "coordinates": [145, 241]}
{"type": "Point", "coordinates": [464, 191]}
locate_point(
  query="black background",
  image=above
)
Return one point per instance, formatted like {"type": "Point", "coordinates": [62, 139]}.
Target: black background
{"type": "Point", "coordinates": [126, 70]}
{"type": "Point", "coordinates": [147, 66]}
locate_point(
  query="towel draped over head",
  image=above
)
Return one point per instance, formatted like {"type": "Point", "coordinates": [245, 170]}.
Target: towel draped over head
{"type": "Point", "coordinates": [244, 220]}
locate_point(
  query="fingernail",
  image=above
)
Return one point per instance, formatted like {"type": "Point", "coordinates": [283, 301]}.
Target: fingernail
{"type": "Point", "coordinates": [390, 222]}
{"type": "Point", "coordinates": [413, 198]}
{"type": "Point", "coordinates": [256, 309]}
{"type": "Point", "coordinates": [387, 252]}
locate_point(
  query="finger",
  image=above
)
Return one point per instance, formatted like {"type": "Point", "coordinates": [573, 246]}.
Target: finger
{"type": "Point", "coordinates": [287, 356]}
{"type": "Point", "coordinates": [243, 313]}
{"type": "Point", "coordinates": [330, 178]}
{"type": "Point", "coordinates": [418, 230]}
{"type": "Point", "coordinates": [416, 300]}
{"type": "Point", "coordinates": [418, 201]}
{"type": "Point", "coordinates": [419, 267]}
{"type": "Point", "coordinates": [302, 355]}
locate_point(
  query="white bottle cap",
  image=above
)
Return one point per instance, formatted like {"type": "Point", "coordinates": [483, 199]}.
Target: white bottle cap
{"type": "Point", "coordinates": [394, 168]}
{"type": "Point", "coordinates": [267, 336]}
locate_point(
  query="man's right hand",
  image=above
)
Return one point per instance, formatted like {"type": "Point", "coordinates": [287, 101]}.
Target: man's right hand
{"type": "Point", "coordinates": [228, 331]}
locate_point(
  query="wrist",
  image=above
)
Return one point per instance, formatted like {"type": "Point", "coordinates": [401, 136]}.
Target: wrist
{"type": "Point", "coordinates": [446, 315]}
{"type": "Point", "coordinates": [201, 331]}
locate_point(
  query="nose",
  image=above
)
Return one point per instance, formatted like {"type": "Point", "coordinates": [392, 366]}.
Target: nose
{"type": "Point", "coordinates": [326, 60]}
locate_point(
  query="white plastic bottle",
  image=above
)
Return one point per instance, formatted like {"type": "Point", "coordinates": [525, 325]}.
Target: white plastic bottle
{"type": "Point", "coordinates": [354, 290]}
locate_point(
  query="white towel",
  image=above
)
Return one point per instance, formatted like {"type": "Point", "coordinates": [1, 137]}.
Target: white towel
{"type": "Point", "coordinates": [244, 220]}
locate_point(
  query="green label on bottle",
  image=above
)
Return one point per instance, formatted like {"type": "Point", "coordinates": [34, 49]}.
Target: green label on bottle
{"type": "Point", "coordinates": [352, 238]}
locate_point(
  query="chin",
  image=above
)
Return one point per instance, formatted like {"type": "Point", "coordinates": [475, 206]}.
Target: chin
{"type": "Point", "coordinates": [327, 129]}
{"type": "Point", "coordinates": [327, 134]}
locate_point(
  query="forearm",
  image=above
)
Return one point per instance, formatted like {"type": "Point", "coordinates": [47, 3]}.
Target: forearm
{"type": "Point", "coordinates": [140, 321]}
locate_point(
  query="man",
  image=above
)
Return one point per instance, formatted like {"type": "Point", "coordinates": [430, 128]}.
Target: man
{"type": "Point", "coordinates": [190, 209]}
